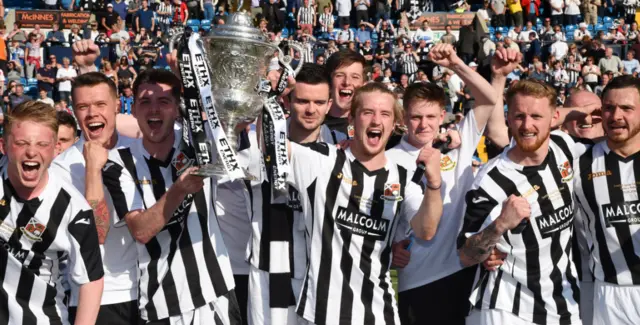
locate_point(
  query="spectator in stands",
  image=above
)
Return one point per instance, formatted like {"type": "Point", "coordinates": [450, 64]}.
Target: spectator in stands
{"type": "Point", "coordinates": [55, 36]}
{"type": "Point", "coordinates": [141, 37]}
{"type": "Point", "coordinates": [126, 100]}
{"type": "Point", "coordinates": [164, 13]}
{"type": "Point", "coordinates": [546, 28]}
{"type": "Point", "coordinates": [498, 7]}
{"type": "Point", "coordinates": [581, 32]}
{"type": "Point", "coordinates": [409, 62]}
{"type": "Point", "coordinates": [423, 33]}
{"type": "Point", "coordinates": [632, 34]}
{"type": "Point", "coordinates": [145, 18]}
{"type": "Point", "coordinates": [531, 9]}
{"type": "Point", "coordinates": [386, 31]}
{"type": "Point", "coordinates": [606, 77]}
{"type": "Point", "coordinates": [46, 77]}
{"type": "Point", "coordinates": [535, 48]}
{"type": "Point", "coordinates": [591, 73]}
{"type": "Point", "coordinates": [345, 35]}
{"type": "Point", "coordinates": [631, 65]}
{"type": "Point", "coordinates": [590, 11]}
{"type": "Point", "coordinates": [325, 20]}
{"type": "Point", "coordinates": [74, 34]}
{"type": "Point", "coordinates": [557, 11]}
{"type": "Point", "coordinates": [538, 72]}
{"type": "Point", "coordinates": [362, 10]}
{"type": "Point", "coordinates": [367, 52]}
{"type": "Point", "coordinates": [344, 12]}
{"type": "Point", "coordinates": [382, 56]}
{"type": "Point", "coordinates": [44, 98]}
{"type": "Point", "coordinates": [573, 51]}
{"type": "Point", "coordinates": [89, 5]}
{"type": "Point", "coordinates": [403, 29]}
{"type": "Point", "coordinates": [571, 11]}
{"type": "Point", "coordinates": [498, 36]}
{"type": "Point", "coordinates": [611, 63]}
{"type": "Point", "coordinates": [559, 49]}
{"type": "Point", "coordinates": [65, 75]}
{"type": "Point", "coordinates": [50, 4]}
{"type": "Point", "coordinates": [510, 44]}
{"type": "Point", "coordinates": [92, 33]}
{"type": "Point", "coordinates": [448, 37]}
{"type": "Point", "coordinates": [307, 18]}
{"type": "Point", "coordinates": [523, 37]}
{"type": "Point", "coordinates": [514, 33]}
{"type": "Point", "coordinates": [132, 10]}
{"type": "Point", "coordinates": [11, 88]}
{"type": "Point", "coordinates": [120, 7]}
{"type": "Point", "coordinates": [383, 9]}
{"type": "Point", "coordinates": [516, 12]}
{"type": "Point", "coordinates": [194, 8]}
{"type": "Point", "coordinates": [109, 19]}
{"type": "Point", "coordinates": [271, 12]}
{"type": "Point", "coordinates": [559, 76]}
{"type": "Point", "coordinates": [125, 72]}
{"type": "Point", "coordinates": [18, 97]}
{"type": "Point", "coordinates": [320, 59]}
{"type": "Point", "coordinates": [32, 55]}
{"type": "Point", "coordinates": [574, 69]}
{"type": "Point", "coordinates": [17, 34]}
{"type": "Point", "coordinates": [558, 33]}
{"type": "Point", "coordinates": [14, 71]}
{"type": "Point", "coordinates": [484, 14]}
{"type": "Point", "coordinates": [363, 33]}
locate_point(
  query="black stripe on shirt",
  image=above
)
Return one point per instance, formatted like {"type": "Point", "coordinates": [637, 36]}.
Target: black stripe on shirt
{"type": "Point", "coordinates": [86, 235]}
{"type": "Point", "coordinates": [4, 297]}
{"type": "Point", "coordinates": [496, 288]}
{"type": "Point", "coordinates": [58, 210]}
{"type": "Point", "coordinates": [616, 197]}
{"type": "Point", "coordinates": [326, 253]}
{"type": "Point", "coordinates": [210, 260]}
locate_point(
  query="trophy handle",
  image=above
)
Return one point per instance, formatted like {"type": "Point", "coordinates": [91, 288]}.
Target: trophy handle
{"type": "Point", "coordinates": [177, 33]}
{"type": "Point", "coordinates": [286, 59]}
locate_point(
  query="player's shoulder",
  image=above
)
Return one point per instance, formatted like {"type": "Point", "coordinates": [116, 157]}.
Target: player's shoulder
{"type": "Point", "coordinates": [77, 201]}
{"type": "Point", "coordinates": [484, 173]}
{"type": "Point", "coordinates": [321, 148]}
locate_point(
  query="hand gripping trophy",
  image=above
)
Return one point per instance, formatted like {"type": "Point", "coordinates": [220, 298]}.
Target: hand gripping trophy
{"type": "Point", "coordinates": [223, 77]}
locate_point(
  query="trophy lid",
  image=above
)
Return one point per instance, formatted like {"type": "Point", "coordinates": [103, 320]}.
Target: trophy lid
{"type": "Point", "coordinates": [239, 27]}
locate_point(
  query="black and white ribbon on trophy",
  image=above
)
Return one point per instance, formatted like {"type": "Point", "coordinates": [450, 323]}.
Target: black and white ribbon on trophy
{"type": "Point", "coordinates": [198, 98]}
{"type": "Point", "coordinates": [274, 129]}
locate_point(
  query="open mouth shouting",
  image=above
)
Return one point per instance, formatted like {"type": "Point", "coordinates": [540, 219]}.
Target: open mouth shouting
{"type": "Point", "coordinates": [95, 129]}
{"type": "Point", "coordinates": [155, 123]}
{"type": "Point", "coordinates": [345, 94]}
{"type": "Point", "coordinates": [374, 136]}
{"type": "Point", "coordinates": [30, 170]}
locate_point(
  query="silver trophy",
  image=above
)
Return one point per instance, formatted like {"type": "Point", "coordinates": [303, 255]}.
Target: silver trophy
{"type": "Point", "coordinates": [238, 55]}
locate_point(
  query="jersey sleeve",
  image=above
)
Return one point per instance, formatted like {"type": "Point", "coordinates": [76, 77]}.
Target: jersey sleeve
{"type": "Point", "coordinates": [307, 160]}
{"type": "Point", "coordinates": [412, 200]}
{"type": "Point", "coordinates": [482, 209]}
{"type": "Point", "coordinates": [575, 146]}
{"type": "Point", "coordinates": [85, 260]}
{"type": "Point", "coordinates": [470, 136]}
{"type": "Point", "coordinates": [123, 190]}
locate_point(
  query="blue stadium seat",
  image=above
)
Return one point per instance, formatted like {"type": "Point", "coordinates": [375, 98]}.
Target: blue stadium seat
{"type": "Point", "coordinates": [193, 22]}
{"type": "Point", "coordinates": [607, 20]}
{"type": "Point", "coordinates": [608, 25]}
{"type": "Point", "coordinates": [580, 18]}
{"type": "Point", "coordinates": [285, 32]}
{"type": "Point", "coordinates": [599, 20]}
{"type": "Point", "coordinates": [570, 29]}
{"type": "Point", "coordinates": [590, 28]}
{"type": "Point", "coordinates": [195, 28]}
{"type": "Point", "coordinates": [205, 22]}
{"type": "Point", "coordinates": [492, 30]}
{"type": "Point", "coordinates": [32, 82]}
{"type": "Point", "coordinates": [539, 27]}
{"type": "Point", "coordinates": [569, 37]}
{"type": "Point", "coordinates": [538, 21]}
{"type": "Point", "coordinates": [600, 27]}
{"type": "Point", "coordinates": [503, 30]}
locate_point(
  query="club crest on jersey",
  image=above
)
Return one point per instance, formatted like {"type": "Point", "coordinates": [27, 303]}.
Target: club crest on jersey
{"type": "Point", "coordinates": [33, 230]}
{"type": "Point", "coordinates": [566, 171]}
{"type": "Point", "coordinates": [391, 192]}
{"type": "Point", "coordinates": [351, 132]}
{"type": "Point", "coordinates": [181, 162]}
{"type": "Point", "coordinates": [446, 164]}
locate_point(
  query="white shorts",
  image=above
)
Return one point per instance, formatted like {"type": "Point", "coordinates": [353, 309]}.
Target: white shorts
{"type": "Point", "coordinates": [494, 317]}
{"type": "Point", "coordinates": [586, 302]}
{"type": "Point", "coordinates": [615, 305]}
{"type": "Point", "coordinates": [258, 311]}
{"type": "Point", "coordinates": [222, 311]}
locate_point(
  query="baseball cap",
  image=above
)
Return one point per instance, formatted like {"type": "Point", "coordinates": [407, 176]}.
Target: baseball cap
{"type": "Point", "coordinates": [582, 25]}
{"type": "Point", "coordinates": [110, 5]}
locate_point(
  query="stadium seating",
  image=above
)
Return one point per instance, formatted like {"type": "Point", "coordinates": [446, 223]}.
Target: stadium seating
{"type": "Point", "coordinates": [607, 20]}
{"type": "Point", "coordinates": [206, 25]}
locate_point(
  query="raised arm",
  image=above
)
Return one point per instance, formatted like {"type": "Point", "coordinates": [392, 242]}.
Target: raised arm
{"type": "Point", "coordinates": [426, 220]}
{"type": "Point", "coordinates": [96, 156]}
{"type": "Point", "coordinates": [85, 53]}
{"type": "Point", "coordinates": [485, 95]}
{"type": "Point", "coordinates": [503, 63]}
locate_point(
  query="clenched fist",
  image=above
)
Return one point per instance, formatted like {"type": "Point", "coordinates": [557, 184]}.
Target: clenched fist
{"type": "Point", "coordinates": [85, 53]}
{"type": "Point", "coordinates": [95, 155]}
{"type": "Point", "coordinates": [514, 210]}
{"type": "Point", "coordinates": [505, 61]}
{"type": "Point", "coordinates": [430, 157]}
{"type": "Point", "coordinates": [444, 55]}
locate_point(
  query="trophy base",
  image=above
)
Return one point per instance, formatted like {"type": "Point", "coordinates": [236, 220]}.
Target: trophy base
{"type": "Point", "coordinates": [217, 170]}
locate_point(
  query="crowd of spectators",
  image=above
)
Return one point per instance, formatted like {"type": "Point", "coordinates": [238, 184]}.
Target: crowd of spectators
{"type": "Point", "coordinates": [568, 43]}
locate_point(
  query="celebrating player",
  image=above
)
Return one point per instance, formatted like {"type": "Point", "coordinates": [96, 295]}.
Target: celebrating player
{"type": "Point", "coordinates": [439, 294]}
{"type": "Point", "coordinates": [606, 186]}
{"type": "Point", "coordinates": [45, 221]}
{"type": "Point", "coordinates": [522, 204]}
{"type": "Point", "coordinates": [185, 275]}
{"type": "Point", "coordinates": [356, 198]}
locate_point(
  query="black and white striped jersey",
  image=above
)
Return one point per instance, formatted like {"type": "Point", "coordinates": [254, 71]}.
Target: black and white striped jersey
{"type": "Point", "coordinates": [119, 256]}
{"type": "Point", "coordinates": [36, 236]}
{"type": "Point", "coordinates": [409, 64]}
{"type": "Point", "coordinates": [306, 15]}
{"type": "Point", "coordinates": [186, 265]}
{"type": "Point", "coordinates": [538, 280]}
{"type": "Point", "coordinates": [352, 217]}
{"type": "Point", "coordinates": [606, 189]}
{"type": "Point", "coordinates": [326, 20]}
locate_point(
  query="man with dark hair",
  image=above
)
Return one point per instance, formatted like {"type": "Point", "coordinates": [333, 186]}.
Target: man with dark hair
{"type": "Point", "coordinates": [184, 271]}
{"type": "Point", "coordinates": [346, 72]}
{"type": "Point", "coordinates": [95, 107]}
{"type": "Point", "coordinates": [67, 128]}
{"type": "Point", "coordinates": [607, 192]}
{"type": "Point", "coordinates": [46, 78]}
{"type": "Point", "coordinates": [439, 294]}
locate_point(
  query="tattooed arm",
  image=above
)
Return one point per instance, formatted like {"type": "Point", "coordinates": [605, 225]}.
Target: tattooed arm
{"type": "Point", "coordinates": [477, 248]}
{"type": "Point", "coordinates": [94, 193]}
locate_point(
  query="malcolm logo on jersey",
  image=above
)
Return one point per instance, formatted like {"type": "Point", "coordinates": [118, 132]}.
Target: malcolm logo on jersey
{"type": "Point", "coordinates": [626, 213]}
{"type": "Point", "coordinates": [361, 224]}
{"type": "Point", "coordinates": [557, 221]}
